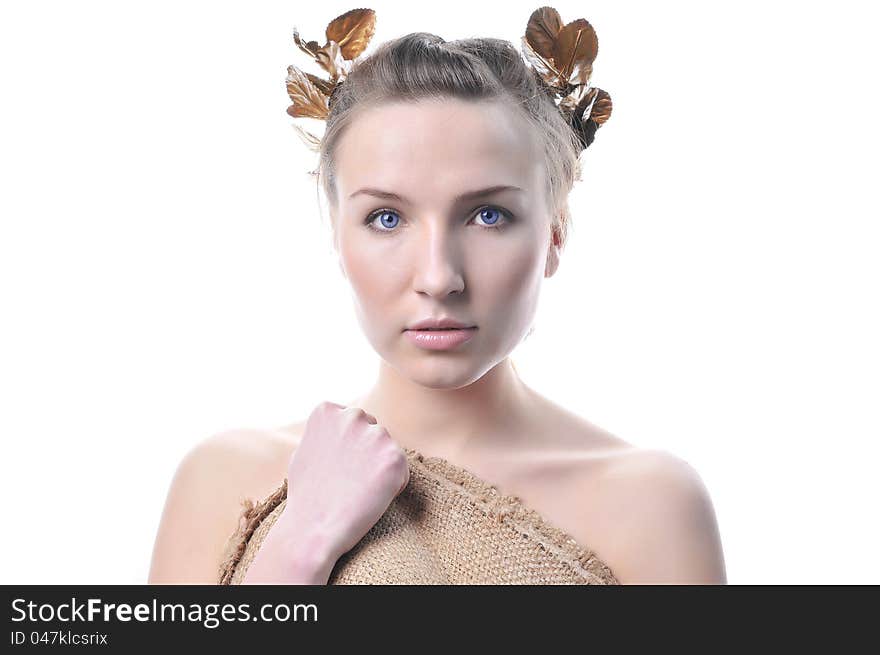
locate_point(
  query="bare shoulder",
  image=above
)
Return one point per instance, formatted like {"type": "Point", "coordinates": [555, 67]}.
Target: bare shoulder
{"type": "Point", "coordinates": [205, 500]}
{"type": "Point", "coordinates": [660, 523]}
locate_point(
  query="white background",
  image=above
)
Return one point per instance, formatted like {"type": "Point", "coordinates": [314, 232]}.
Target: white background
{"type": "Point", "coordinates": [166, 273]}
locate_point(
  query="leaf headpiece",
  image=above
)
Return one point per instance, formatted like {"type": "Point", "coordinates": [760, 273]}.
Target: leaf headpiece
{"type": "Point", "coordinates": [561, 55]}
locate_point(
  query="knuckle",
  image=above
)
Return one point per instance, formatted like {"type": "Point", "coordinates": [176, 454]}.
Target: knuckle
{"type": "Point", "coordinates": [398, 457]}
{"type": "Point", "coordinates": [353, 412]}
{"type": "Point", "coordinates": [324, 407]}
{"type": "Point", "coordinates": [377, 434]}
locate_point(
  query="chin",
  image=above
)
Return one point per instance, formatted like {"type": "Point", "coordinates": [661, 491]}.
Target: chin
{"type": "Point", "coordinates": [443, 372]}
{"type": "Point", "coordinates": [436, 383]}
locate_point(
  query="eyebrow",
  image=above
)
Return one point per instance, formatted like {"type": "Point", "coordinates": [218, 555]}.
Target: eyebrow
{"type": "Point", "coordinates": [464, 196]}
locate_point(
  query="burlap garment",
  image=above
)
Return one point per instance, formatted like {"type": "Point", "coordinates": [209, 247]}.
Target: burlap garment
{"type": "Point", "coordinates": [447, 526]}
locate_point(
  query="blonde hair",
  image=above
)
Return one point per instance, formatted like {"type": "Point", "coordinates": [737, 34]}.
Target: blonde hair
{"type": "Point", "coordinates": [425, 66]}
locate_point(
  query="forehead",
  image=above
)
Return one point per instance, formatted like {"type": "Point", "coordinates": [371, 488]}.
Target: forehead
{"type": "Point", "coordinates": [437, 147]}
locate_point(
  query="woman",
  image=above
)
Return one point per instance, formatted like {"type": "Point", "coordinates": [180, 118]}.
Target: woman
{"type": "Point", "coordinates": [447, 168]}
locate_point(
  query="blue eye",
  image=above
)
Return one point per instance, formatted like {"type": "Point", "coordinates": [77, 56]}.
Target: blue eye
{"type": "Point", "coordinates": [490, 216]}
{"type": "Point", "coordinates": [381, 215]}
{"type": "Point", "coordinates": [490, 211]}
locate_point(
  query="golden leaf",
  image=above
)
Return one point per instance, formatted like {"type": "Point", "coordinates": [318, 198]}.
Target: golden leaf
{"type": "Point", "coordinates": [575, 50]}
{"type": "Point", "coordinates": [543, 67]}
{"type": "Point", "coordinates": [352, 31]}
{"type": "Point", "coordinates": [601, 110]}
{"type": "Point", "coordinates": [562, 54]}
{"type": "Point", "coordinates": [578, 100]}
{"type": "Point", "coordinates": [541, 31]}
{"type": "Point", "coordinates": [588, 113]}
{"type": "Point", "coordinates": [308, 101]}
{"type": "Point", "coordinates": [321, 54]}
{"type": "Point", "coordinates": [347, 37]}
{"type": "Point", "coordinates": [324, 86]}
{"type": "Point", "coordinates": [329, 58]}
{"type": "Point", "coordinates": [311, 48]}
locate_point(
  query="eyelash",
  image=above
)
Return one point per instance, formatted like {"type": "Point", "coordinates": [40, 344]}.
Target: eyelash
{"type": "Point", "coordinates": [508, 218]}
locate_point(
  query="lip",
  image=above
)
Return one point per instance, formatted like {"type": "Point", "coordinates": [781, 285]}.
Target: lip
{"type": "Point", "coordinates": [440, 339]}
{"type": "Point", "coordinates": [442, 322]}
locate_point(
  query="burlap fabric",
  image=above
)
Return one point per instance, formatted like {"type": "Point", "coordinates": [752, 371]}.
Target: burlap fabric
{"type": "Point", "coordinates": [447, 526]}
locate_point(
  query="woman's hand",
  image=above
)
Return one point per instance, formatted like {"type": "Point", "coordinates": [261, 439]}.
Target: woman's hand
{"type": "Point", "coordinates": [343, 475]}
{"type": "Point", "coordinates": [341, 478]}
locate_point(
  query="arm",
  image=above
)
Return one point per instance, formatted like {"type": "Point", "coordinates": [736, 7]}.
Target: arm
{"type": "Point", "coordinates": [203, 506]}
{"type": "Point", "coordinates": [665, 530]}
{"type": "Point", "coordinates": [289, 555]}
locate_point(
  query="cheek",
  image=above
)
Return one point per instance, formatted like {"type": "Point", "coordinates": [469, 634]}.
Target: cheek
{"type": "Point", "coordinates": [373, 275]}
{"type": "Point", "coordinates": [510, 277]}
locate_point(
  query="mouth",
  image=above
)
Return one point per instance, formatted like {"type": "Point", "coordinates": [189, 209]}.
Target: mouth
{"type": "Point", "coordinates": [473, 327]}
{"type": "Point", "coordinates": [440, 338]}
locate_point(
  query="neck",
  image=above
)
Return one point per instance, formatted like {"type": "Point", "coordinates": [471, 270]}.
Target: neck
{"type": "Point", "coordinates": [445, 422]}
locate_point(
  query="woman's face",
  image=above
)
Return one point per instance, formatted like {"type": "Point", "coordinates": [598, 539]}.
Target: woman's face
{"type": "Point", "coordinates": [430, 253]}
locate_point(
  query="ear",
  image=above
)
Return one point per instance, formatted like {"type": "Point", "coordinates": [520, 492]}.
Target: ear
{"type": "Point", "coordinates": [553, 251]}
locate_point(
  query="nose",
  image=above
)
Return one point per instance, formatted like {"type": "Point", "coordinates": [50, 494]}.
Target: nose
{"type": "Point", "coordinates": [438, 270]}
